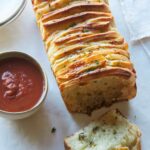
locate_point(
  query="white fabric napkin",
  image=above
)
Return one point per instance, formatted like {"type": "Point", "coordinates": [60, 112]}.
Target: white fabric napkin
{"type": "Point", "coordinates": [137, 17]}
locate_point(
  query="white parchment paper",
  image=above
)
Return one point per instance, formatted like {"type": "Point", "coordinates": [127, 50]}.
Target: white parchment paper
{"type": "Point", "coordinates": [34, 133]}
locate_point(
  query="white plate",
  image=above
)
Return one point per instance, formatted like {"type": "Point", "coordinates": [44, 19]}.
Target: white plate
{"type": "Point", "coordinates": [9, 10]}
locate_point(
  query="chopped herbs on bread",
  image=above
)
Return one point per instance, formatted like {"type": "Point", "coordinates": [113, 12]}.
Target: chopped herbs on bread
{"type": "Point", "coordinates": [110, 132]}
{"type": "Point", "coordinates": [86, 52]}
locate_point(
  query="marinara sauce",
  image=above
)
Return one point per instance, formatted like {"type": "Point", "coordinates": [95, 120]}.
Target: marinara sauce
{"type": "Point", "coordinates": [21, 84]}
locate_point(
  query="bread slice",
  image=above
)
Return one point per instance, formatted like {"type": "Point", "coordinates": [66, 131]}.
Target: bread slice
{"type": "Point", "coordinates": [88, 56]}
{"type": "Point", "coordinates": [110, 132]}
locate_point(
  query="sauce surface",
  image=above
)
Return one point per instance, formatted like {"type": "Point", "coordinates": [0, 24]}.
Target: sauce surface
{"type": "Point", "coordinates": [21, 84]}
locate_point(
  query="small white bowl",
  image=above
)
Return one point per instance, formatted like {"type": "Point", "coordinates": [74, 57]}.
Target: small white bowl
{"type": "Point", "coordinates": [29, 112]}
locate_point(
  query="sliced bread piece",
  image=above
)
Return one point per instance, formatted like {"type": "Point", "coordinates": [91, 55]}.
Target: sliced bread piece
{"type": "Point", "coordinates": [110, 132]}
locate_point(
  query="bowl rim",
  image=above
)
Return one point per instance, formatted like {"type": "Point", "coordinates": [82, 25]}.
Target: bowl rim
{"type": "Point", "coordinates": [45, 86]}
{"type": "Point", "coordinates": [15, 15]}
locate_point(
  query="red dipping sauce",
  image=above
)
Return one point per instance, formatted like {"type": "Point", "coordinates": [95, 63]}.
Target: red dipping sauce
{"type": "Point", "coordinates": [21, 84]}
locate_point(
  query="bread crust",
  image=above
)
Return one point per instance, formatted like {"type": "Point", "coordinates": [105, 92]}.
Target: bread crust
{"type": "Point", "coordinates": [86, 52]}
{"type": "Point", "coordinates": [137, 146]}
{"type": "Point", "coordinates": [66, 146]}
{"type": "Point", "coordinates": [76, 8]}
{"type": "Point", "coordinates": [138, 143]}
{"type": "Point", "coordinates": [99, 73]}
{"type": "Point", "coordinates": [60, 24]}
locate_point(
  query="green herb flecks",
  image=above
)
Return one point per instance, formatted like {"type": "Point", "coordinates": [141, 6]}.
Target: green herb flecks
{"type": "Point", "coordinates": [90, 69]}
{"type": "Point", "coordinates": [97, 62]}
{"type": "Point", "coordinates": [92, 144]}
{"type": "Point", "coordinates": [85, 30]}
{"type": "Point", "coordinates": [114, 132]}
{"type": "Point", "coordinates": [81, 136]}
{"type": "Point", "coordinates": [95, 129]}
{"type": "Point", "coordinates": [72, 25]}
{"type": "Point", "coordinates": [103, 130]}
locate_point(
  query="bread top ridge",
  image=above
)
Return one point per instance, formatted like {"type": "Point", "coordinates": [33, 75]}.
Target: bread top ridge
{"type": "Point", "coordinates": [81, 38]}
{"type": "Point", "coordinates": [112, 131]}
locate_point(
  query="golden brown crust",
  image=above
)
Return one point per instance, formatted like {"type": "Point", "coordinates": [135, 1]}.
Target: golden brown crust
{"type": "Point", "coordinates": [73, 9]}
{"type": "Point", "coordinates": [87, 37]}
{"type": "Point", "coordinates": [60, 24]}
{"type": "Point", "coordinates": [99, 73]}
{"type": "Point", "coordinates": [122, 148]}
{"type": "Point", "coordinates": [66, 146]}
{"type": "Point", "coordinates": [83, 44]}
{"type": "Point", "coordinates": [94, 37]}
{"type": "Point", "coordinates": [138, 143]}
{"type": "Point", "coordinates": [90, 110]}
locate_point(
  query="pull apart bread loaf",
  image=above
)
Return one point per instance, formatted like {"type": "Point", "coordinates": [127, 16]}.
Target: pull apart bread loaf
{"type": "Point", "coordinates": [88, 56]}
{"type": "Point", "coordinates": [110, 132]}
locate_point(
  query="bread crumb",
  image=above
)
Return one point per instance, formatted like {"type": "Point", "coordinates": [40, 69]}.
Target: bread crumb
{"type": "Point", "coordinates": [53, 130]}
